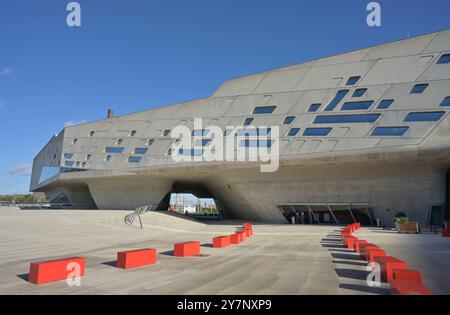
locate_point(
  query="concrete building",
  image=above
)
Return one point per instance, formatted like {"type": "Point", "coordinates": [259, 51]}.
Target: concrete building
{"type": "Point", "coordinates": [363, 135]}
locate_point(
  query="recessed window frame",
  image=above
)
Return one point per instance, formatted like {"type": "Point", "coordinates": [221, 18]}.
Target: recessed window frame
{"type": "Point", "coordinates": [359, 105]}
{"type": "Point", "coordinates": [352, 81]}
{"type": "Point", "coordinates": [114, 150]}
{"type": "Point", "coordinates": [133, 133]}
{"type": "Point", "coordinates": [340, 95]}
{"type": "Point", "coordinates": [134, 159]}
{"type": "Point", "coordinates": [359, 92]}
{"type": "Point", "coordinates": [385, 104]}
{"type": "Point", "coordinates": [347, 119]}
{"type": "Point", "coordinates": [166, 133]}
{"type": "Point", "coordinates": [419, 88]}
{"type": "Point", "coordinates": [424, 116]}
{"type": "Point", "coordinates": [248, 121]}
{"type": "Point", "coordinates": [313, 108]}
{"type": "Point", "coordinates": [317, 132]}
{"type": "Point", "coordinates": [396, 131]}
{"type": "Point", "coordinates": [264, 110]}
{"type": "Point", "coordinates": [445, 102]}
{"type": "Point", "coordinates": [150, 142]}
{"type": "Point", "coordinates": [140, 151]}
{"type": "Point", "coordinates": [293, 132]}
{"type": "Point", "coordinates": [288, 120]}
{"type": "Point", "coordinates": [444, 59]}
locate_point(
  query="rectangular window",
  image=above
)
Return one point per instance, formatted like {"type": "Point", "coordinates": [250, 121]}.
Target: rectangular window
{"type": "Point", "coordinates": [264, 110]}
{"type": "Point", "coordinates": [134, 159]}
{"type": "Point", "coordinates": [150, 141]}
{"type": "Point", "coordinates": [68, 156]}
{"type": "Point", "coordinates": [444, 59]}
{"type": "Point", "coordinates": [389, 131]}
{"type": "Point", "coordinates": [248, 121]}
{"type": "Point", "coordinates": [293, 132]}
{"type": "Point", "coordinates": [256, 143]}
{"type": "Point", "coordinates": [317, 132]}
{"type": "Point", "coordinates": [108, 158]}
{"type": "Point", "coordinates": [200, 133]}
{"type": "Point", "coordinates": [419, 88]}
{"type": "Point", "coordinates": [288, 120]}
{"type": "Point", "coordinates": [344, 119]}
{"type": "Point", "coordinates": [314, 108]}
{"type": "Point", "coordinates": [91, 134]}
{"type": "Point", "coordinates": [166, 133]}
{"type": "Point", "coordinates": [203, 143]}
{"type": "Point", "coordinates": [336, 100]}
{"type": "Point", "coordinates": [446, 101]}
{"type": "Point", "coordinates": [385, 104]}
{"type": "Point", "coordinates": [363, 105]}
{"type": "Point", "coordinates": [190, 152]}
{"type": "Point", "coordinates": [83, 164]}
{"type": "Point", "coordinates": [353, 80]}
{"type": "Point", "coordinates": [74, 141]}
{"type": "Point", "coordinates": [116, 150]}
{"type": "Point", "coordinates": [133, 133]}
{"type": "Point", "coordinates": [68, 163]}
{"type": "Point", "coordinates": [359, 93]}
{"type": "Point", "coordinates": [119, 141]}
{"type": "Point", "coordinates": [140, 151]}
{"type": "Point", "coordinates": [169, 152]}
{"type": "Point", "coordinates": [424, 116]}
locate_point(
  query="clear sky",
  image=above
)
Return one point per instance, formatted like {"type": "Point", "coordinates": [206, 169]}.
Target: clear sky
{"type": "Point", "coordinates": [135, 55]}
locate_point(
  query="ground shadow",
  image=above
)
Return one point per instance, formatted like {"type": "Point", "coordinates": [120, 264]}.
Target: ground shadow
{"type": "Point", "coordinates": [331, 245]}
{"type": "Point", "coordinates": [352, 263]}
{"type": "Point", "coordinates": [345, 256]}
{"type": "Point", "coordinates": [110, 263]}
{"type": "Point", "coordinates": [341, 250]}
{"type": "Point", "coordinates": [24, 277]}
{"type": "Point", "coordinates": [168, 253]}
{"type": "Point", "coordinates": [352, 273]}
{"type": "Point", "coordinates": [363, 288]}
{"type": "Point", "coordinates": [209, 245]}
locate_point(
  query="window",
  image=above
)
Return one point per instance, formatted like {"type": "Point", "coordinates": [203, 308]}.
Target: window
{"type": "Point", "coordinates": [288, 120]}
{"type": "Point", "coordinates": [353, 80]}
{"type": "Point", "coordinates": [385, 104]}
{"type": "Point", "coordinates": [166, 133]}
{"type": "Point", "coordinates": [133, 133]}
{"type": "Point", "coordinates": [169, 153]}
{"type": "Point", "coordinates": [91, 134]}
{"type": "Point", "coordinates": [253, 132]}
{"type": "Point", "coordinates": [200, 133]}
{"type": "Point", "coordinates": [256, 143]}
{"type": "Point", "coordinates": [264, 110]}
{"type": "Point", "coordinates": [248, 121]}
{"type": "Point", "coordinates": [119, 141]}
{"type": "Point", "coordinates": [54, 156]}
{"type": "Point", "coordinates": [108, 158]}
{"type": "Point", "coordinates": [446, 101]}
{"type": "Point", "coordinates": [317, 132]}
{"type": "Point", "coordinates": [357, 105]}
{"type": "Point", "coordinates": [190, 152]}
{"type": "Point", "coordinates": [389, 131]}
{"type": "Point", "coordinates": [293, 132]}
{"type": "Point", "coordinates": [424, 116]}
{"type": "Point", "coordinates": [359, 93]}
{"type": "Point", "coordinates": [116, 150]}
{"type": "Point", "coordinates": [68, 155]}
{"type": "Point", "coordinates": [140, 151]}
{"type": "Point", "coordinates": [83, 164]}
{"type": "Point", "coordinates": [336, 100]}
{"type": "Point", "coordinates": [314, 108]}
{"type": "Point", "coordinates": [68, 163]}
{"type": "Point", "coordinates": [150, 141]}
{"type": "Point", "coordinates": [444, 59]}
{"type": "Point", "coordinates": [134, 159]}
{"type": "Point", "coordinates": [78, 164]}
{"type": "Point", "coordinates": [342, 119]}
{"type": "Point", "coordinates": [74, 141]}
{"type": "Point", "coordinates": [88, 157]}
{"type": "Point", "coordinates": [203, 143]}
{"type": "Point", "coordinates": [419, 88]}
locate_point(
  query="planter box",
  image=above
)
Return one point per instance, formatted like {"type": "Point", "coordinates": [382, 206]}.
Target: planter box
{"type": "Point", "coordinates": [408, 228]}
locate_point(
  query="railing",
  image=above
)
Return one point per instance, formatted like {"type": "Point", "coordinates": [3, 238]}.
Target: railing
{"type": "Point", "coordinates": [130, 218]}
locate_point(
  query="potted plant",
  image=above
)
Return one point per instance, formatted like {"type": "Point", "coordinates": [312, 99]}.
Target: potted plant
{"type": "Point", "coordinates": [404, 225]}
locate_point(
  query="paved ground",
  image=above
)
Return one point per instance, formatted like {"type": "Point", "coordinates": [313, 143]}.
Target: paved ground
{"type": "Point", "coordinates": [278, 259]}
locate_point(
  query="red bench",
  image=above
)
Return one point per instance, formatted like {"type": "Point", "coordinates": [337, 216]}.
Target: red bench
{"type": "Point", "coordinates": [351, 242]}
{"type": "Point", "coordinates": [187, 249]}
{"type": "Point", "coordinates": [248, 225]}
{"type": "Point", "coordinates": [235, 238]}
{"type": "Point", "coordinates": [221, 241]}
{"type": "Point", "coordinates": [55, 270]}
{"type": "Point", "coordinates": [388, 264]}
{"type": "Point", "coordinates": [364, 248]}
{"type": "Point", "coordinates": [358, 225]}
{"type": "Point", "coordinates": [248, 232]}
{"type": "Point", "coordinates": [408, 287]}
{"type": "Point", "coordinates": [242, 235]}
{"type": "Point", "coordinates": [136, 258]}
{"type": "Point", "coordinates": [372, 253]}
{"type": "Point", "coordinates": [358, 245]}
{"type": "Point", "coordinates": [446, 232]}
{"type": "Point", "coordinates": [407, 275]}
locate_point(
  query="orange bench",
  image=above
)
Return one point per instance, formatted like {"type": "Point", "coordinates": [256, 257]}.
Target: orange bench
{"type": "Point", "coordinates": [235, 238]}
{"type": "Point", "coordinates": [358, 245]}
{"type": "Point", "coordinates": [242, 235]}
{"type": "Point", "coordinates": [351, 242]}
{"type": "Point", "coordinates": [221, 241]}
{"type": "Point", "coordinates": [358, 225]}
{"type": "Point", "coordinates": [388, 264]}
{"type": "Point", "coordinates": [248, 225]}
{"type": "Point", "coordinates": [364, 248]}
{"type": "Point", "coordinates": [55, 270]}
{"type": "Point", "coordinates": [248, 232]}
{"type": "Point", "coordinates": [372, 253]}
{"type": "Point", "coordinates": [187, 249]}
{"type": "Point", "coordinates": [408, 287]}
{"type": "Point", "coordinates": [136, 258]}
{"type": "Point", "coordinates": [446, 232]}
{"type": "Point", "coordinates": [407, 275]}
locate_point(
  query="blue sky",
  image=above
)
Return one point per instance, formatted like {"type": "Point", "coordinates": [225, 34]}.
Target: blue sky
{"type": "Point", "coordinates": [136, 55]}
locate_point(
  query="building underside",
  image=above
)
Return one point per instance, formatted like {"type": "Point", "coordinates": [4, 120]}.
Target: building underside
{"type": "Point", "coordinates": [362, 136]}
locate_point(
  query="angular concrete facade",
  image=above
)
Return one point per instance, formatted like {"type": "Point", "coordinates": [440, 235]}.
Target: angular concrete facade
{"type": "Point", "coordinates": [387, 149]}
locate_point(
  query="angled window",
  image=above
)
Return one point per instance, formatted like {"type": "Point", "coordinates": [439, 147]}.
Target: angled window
{"type": "Point", "coordinates": [74, 141]}
{"type": "Point", "coordinates": [190, 152]}
{"type": "Point", "coordinates": [336, 100]}
{"type": "Point", "coordinates": [419, 88]}
{"type": "Point", "coordinates": [68, 163]}
{"type": "Point", "coordinates": [88, 157]}
{"type": "Point", "coordinates": [108, 158]}
{"type": "Point", "coordinates": [78, 164]}
{"type": "Point", "coordinates": [119, 141]}
{"type": "Point", "coordinates": [363, 105]}
{"type": "Point", "coordinates": [68, 155]}
{"type": "Point", "coordinates": [317, 132]}
{"type": "Point", "coordinates": [293, 132]}
{"type": "Point", "coordinates": [200, 133]}
{"type": "Point", "coordinates": [256, 143]}
{"type": "Point", "coordinates": [203, 143]}
{"type": "Point", "coordinates": [116, 150]}
{"type": "Point", "coordinates": [353, 80]}
{"type": "Point", "coordinates": [264, 110]}
{"type": "Point", "coordinates": [389, 131]}
{"type": "Point", "coordinates": [314, 107]}
{"type": "Point", "coordinates": [83, 164]}
{"type": "Point", "coordinates": [248, 121]}
{"type": "Point", "coordinates": [166, 133]}
{"type": "Point", "coordinates": [288, 120]}
{"type": "Point", "coordinates": [359, 92]}
{"type": "Point", "coordinates": [133, 133]}
{"type": "Point", "coordinates": [134, 159]}
{"type": "Point", "coordinates": [140, 151]}
{"type": "Point", "coordinates": [424, 116]}
{"type": "Point", "coordinates": [169, 152]}
{"type": "Point", "coordinates": [91, 134]}
{"type": "Point", "coordinates": [385, 104]}
{"type": "Point", "coordinates": [446, 101]}
{"type": "Point", "coordinates": [344, 119]}
{"type": "Point", "coordinates": [444, 59]}
{"type": "Point", "coordinates": [150, 141]}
